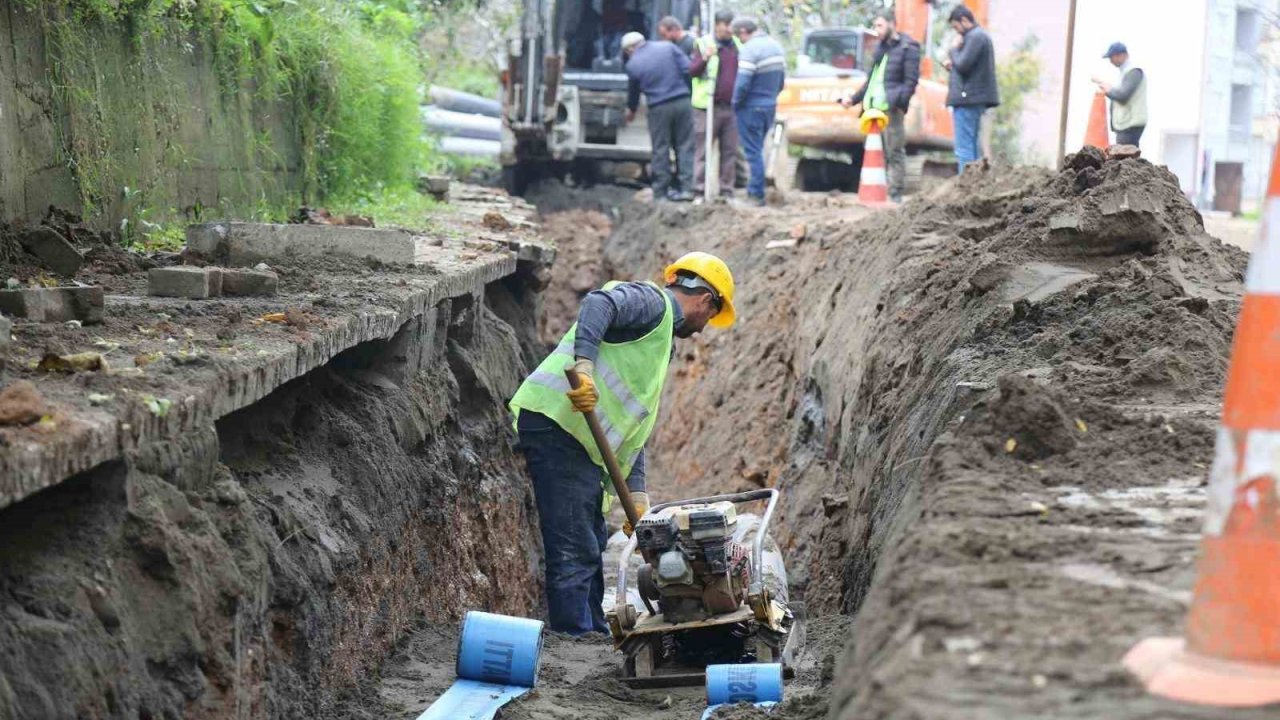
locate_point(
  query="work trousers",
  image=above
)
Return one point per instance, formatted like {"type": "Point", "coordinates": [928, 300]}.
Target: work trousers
{"type": "Point", "coordinates": [895, 152]}
{"type": "Point", "coordinates": [566, 487]}
{"type": "Point", "coordinates": [671, 128]}
{"type": "Point", "coordinates": [968, 125]}
{"type": "Point", "coordinates": [724, 132]}
{"type": "Point", "coordinates": [754, 124]}
{"type": "Point", "coordinates": [1130, 136]}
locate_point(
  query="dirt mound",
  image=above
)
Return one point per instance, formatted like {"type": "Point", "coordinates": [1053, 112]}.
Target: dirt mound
{"type": "Point", "coordinates": [981, 409]}
{"type": "Point", "coordinates": [579, 238]}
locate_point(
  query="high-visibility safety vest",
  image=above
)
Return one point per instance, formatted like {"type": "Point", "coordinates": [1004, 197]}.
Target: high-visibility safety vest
{"type": "Point", "coordinates": [629, 377]}
{"type": "Point", "coordinates": [1133, 112]}
{"type": "Point", "coordinates": [705, 86]}
{"type": "Point", "coordinates": [877, 98]}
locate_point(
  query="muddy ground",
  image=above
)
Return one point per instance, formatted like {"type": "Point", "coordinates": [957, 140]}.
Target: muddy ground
{"type": "Point", "coordinates": [991, 413]}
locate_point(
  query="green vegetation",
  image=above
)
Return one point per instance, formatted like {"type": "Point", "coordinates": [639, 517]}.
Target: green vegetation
{"type": "Point", "coordinates": [322, 98]}
{"type": "Point", "coordinates": [1017, 74]}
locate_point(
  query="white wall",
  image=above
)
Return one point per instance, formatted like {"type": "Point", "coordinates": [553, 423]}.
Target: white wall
{"type": "Point", "coordinates": [1009, 21]}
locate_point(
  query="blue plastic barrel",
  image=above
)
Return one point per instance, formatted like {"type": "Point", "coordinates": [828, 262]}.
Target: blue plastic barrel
{"type": "Point", "coordinates": [751, 683]}
{"type": "Point", "coordinates": [499, 649]}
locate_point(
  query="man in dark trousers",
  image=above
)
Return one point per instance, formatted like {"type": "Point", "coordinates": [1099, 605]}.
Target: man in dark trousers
{"type": "Point", "coordinates": [890, 86]}
{"type": "Point", "coordinates": [661, 72]}
{"type": "Point", "coordinates": [715, 69]}
{"type": "Point", "coordinates": [973, 89]}
{"type": "Point", "coordinates": [1128, 99]}
{"type": "Point", "coordinates": [620, 347]}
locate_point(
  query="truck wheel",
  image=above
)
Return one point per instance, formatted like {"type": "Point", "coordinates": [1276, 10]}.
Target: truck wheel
{"type": "Point", "coordinates": [782, 168]}
{"type": "Point", "coordinates": [515, 178]}
{"type": "Point", "coordinates": [914, 181]}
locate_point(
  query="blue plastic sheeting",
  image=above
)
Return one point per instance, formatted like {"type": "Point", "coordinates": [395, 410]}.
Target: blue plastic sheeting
{"type": "Point", "coordinates": [471, 700]}
{"type": "Point", "coordinates": [497, 663]}
{"type": "Point", "coordinates": [760, 684]}
{"type": "Point", "coordinates": [707, 713]}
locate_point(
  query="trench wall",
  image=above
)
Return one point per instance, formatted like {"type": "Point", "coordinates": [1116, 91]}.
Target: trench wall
{"type": "Point", "coordinates": [261, 563]}
{"type": "Point", "coordinates": [153, 125]}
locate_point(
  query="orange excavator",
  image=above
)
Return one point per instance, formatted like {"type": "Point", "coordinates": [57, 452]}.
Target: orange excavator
{"type": "Point", "coordinates": [816, 144]}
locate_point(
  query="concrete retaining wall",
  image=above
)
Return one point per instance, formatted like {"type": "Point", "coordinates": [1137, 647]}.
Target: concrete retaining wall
{"type": "Point", "coordinates": [156, 118]}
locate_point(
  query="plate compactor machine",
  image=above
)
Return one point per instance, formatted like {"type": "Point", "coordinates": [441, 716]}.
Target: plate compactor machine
{"type": "Point", "coordinates": [713, 589]}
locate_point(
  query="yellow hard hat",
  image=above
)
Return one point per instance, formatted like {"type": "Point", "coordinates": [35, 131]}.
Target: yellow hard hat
{"type": "Point", "coordinates": [876, 118]}
{"type": "Point", "coordinates": [713, 270]}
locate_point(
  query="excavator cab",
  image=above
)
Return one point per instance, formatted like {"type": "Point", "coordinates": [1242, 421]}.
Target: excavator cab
{"type": "Point", "coordinates": [837, 52]}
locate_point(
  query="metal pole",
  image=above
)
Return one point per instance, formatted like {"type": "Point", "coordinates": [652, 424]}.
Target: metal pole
{"type": "Point", "coordinates": [1066, 84]}
{"type": "Point", "coordinates": [707, 193]}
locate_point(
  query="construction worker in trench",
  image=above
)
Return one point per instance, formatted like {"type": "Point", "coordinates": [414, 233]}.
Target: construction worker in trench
{"type": "Point", "coordinates": [620, 346]}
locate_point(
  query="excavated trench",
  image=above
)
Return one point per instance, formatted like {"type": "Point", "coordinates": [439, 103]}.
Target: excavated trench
{"type": "Point", "coordinates": [989, 413]}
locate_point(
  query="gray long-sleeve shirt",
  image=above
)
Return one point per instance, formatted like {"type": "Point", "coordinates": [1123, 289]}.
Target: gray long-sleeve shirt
{"type": "Point", "coordinates": [621, 314]}
{"type": "Point", "coordinates": [1127, 87]}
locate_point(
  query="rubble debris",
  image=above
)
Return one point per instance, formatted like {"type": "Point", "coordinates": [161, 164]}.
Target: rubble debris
{"type": "Point", "coordinates": [184, 281]}
{"type": "Point", "coordinates": [57, 304]}
{"type": "Point", "coordinates": [1088, 157]}
{"type": "Point", "coordinates": [53, 250]}
{"type": "Point", "coordinates": [321, 216]}
{"type": "Point", "coordinates": [1123, 152]}
{"type": "Point", "coordinates": [249, 283]}
{"type": "Point", "coordinates": [493, 220]}
{"type": "Point", "coordinates": [77, 362]}
{"type": "Point", "coordinates": [239, 244]}
{"type": "Point", "coordinates": [21, 404]}
{"type": "Point", "coordinates": [437, 186]}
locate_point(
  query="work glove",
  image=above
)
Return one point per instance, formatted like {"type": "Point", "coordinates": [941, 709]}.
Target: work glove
{"type": "Point", "coordinates": [639, 500]}
{"type": "Point", "coordinates": [584, 399]}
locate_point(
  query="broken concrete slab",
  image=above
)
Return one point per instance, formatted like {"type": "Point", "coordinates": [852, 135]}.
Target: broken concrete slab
{"type": "Point", "coordinates": [241, 244]}
{"type": "Point", "coordinates": [193, 283]}
{"type": "Point", "coordinates": [437, 186]}
{"type": "Point", "coordinates": [53, 250]}
{"type": "Point", "coordinates": [54, 304]}
{"type": "Point", "coordinates": [1123, 152]}
{"type": "Point", "coordinates": [1064, 222]}
{"type": "Point", "coordinates": [249, 283]}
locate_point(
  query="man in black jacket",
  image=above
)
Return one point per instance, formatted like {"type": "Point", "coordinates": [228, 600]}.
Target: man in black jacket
{"type": "Point", "coordinates": [973, 89]}
{"type": "Point", "coordinates": [889, 87]}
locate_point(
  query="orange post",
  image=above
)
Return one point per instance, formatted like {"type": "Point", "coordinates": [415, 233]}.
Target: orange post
{"type": "Point", "coordinates": [1231, 654]}
{"type": "Point", "coordinates": [1097, 135]}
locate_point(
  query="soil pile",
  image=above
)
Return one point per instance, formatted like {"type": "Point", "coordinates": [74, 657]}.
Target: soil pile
{"type": "Point", "coordinates": [579, 237]}
{"type": "Point", "coordinates": [989, 412]}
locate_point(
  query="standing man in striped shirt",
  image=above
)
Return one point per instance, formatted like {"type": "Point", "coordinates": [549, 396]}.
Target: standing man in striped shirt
{"type": "Point", "coordinates": [762, 68]}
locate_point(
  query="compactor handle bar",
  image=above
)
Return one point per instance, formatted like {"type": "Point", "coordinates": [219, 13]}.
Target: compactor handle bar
{"type": "Point", "coordinates": [757, 545]}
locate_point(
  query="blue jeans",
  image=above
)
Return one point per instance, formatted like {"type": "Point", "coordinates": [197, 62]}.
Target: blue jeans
{"type": "Point", "coordinates": [566, 486]}
{"type": "Point", "coordinates": [968, 122]}
{"type": "Point", "coordinates": [754, 124]}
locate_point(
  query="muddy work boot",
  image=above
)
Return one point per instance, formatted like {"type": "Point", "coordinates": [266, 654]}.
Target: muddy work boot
{"type": "Point", "coordinates": [680, 196]}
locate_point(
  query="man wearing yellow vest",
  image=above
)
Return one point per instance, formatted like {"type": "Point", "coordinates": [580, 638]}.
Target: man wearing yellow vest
{"type": "Point", "coordinates": [895, 72]}
{"type": "Point", "coordinates": [620, 347]}
{"type": "Point", "coordinates": [714, 69]}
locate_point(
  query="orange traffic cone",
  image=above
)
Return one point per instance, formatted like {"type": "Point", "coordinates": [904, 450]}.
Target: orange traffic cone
{"type": "Point", "coordinates": [1231, 655]}
{"type": "Point", "coordinates": [1096, 134]}
{"type": "Point", "coordinates": [873, 188]}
